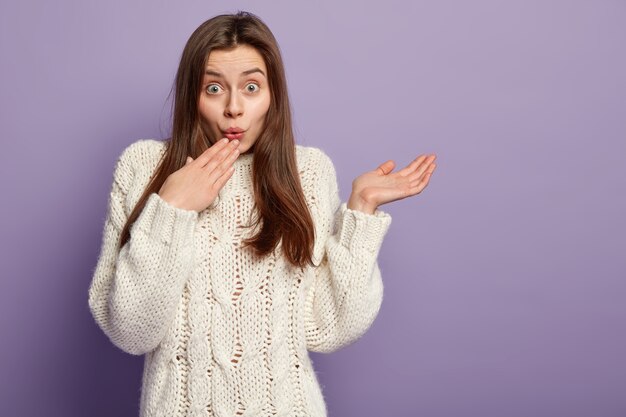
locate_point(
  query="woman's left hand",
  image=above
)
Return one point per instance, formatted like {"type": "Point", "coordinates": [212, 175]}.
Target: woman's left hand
{"type": "Point", "coordinates": [381, 186]}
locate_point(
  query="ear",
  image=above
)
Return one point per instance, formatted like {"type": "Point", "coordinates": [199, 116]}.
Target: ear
{"type": "Point", "coordinates": [189, 159]}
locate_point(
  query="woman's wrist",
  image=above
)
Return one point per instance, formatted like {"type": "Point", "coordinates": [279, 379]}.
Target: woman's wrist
{"type": "Point", "coordinates": [357, 203]}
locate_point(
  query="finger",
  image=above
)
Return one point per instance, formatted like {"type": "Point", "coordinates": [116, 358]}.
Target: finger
{"type": "Point", "coordinates": [221, 155]}
{"type": "Point", "coordinates": [216, 168]}
{"type": "Point", "coordinates": [211, 151]}
{"type": "Point", "coordinates": [412, 166]}
{"type": "Point", "coordinates": [418, 185]}
{"type": "Point", "coordinates": [418, 163]}
{"type": "Point", "coordinates": [424, 167]}
{"type": "Point", "coordinates": [221, 180]}
{"type": "Point", "coordinates": [386, 167]}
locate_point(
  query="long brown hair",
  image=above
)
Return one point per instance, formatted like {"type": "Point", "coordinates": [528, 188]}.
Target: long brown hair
{"type": "Point", "coordinates": [279, 200]}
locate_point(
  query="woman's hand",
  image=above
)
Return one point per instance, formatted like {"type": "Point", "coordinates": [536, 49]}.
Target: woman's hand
{"type": "Point", "coordinates": [381, 186]}
{"type": "Point", "coordinates": [196, 185]}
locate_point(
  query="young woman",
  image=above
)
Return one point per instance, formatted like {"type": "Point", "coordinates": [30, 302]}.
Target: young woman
{"type": "Point", "coordinates": [227, 253]}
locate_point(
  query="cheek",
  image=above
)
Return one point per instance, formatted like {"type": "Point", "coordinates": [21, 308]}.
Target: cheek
{"type": "Point", "coordinates": [208, 111]}
{"type": "Point", "coordinates": [261, 108]}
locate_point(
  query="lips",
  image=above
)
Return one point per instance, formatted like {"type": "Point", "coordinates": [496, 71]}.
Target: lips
{"type": "Point", "coordinates": [234, 133]}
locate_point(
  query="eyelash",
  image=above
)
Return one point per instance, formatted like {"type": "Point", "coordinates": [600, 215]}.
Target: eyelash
{"type": "Point", "coordinates": [253, 83]}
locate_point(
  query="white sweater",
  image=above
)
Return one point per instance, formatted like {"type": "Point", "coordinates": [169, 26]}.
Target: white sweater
{"type": "Point", "coordinates": [226, 333]}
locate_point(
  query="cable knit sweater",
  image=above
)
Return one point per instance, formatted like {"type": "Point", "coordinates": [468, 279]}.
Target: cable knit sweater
{"type": "Point", "coordinates": [226, 333]}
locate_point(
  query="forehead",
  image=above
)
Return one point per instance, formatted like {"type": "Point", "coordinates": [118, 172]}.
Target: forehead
{"type": "Point", "coordinates": [236, 58]}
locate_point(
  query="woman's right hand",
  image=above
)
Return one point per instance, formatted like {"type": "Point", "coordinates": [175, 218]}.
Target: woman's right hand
{"type": "Point", "coordinates": [196, 185]}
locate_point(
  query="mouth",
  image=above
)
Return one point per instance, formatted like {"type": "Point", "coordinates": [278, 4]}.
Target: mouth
{"type": "Point", "coordinates": [234, 133]}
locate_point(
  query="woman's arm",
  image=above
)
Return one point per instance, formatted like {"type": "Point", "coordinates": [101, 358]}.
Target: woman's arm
{"type": "Point", "coordinates": [135, 291]}
{"type": "Point", "coordinates": [347, 291]}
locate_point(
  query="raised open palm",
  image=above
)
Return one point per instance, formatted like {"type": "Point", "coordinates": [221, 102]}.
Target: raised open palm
{"type": "Point", "coordinates": [381, 185]}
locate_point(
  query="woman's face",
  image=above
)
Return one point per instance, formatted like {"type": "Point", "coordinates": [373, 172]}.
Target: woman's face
{"type": "Point", "coordinates": [235, 95]}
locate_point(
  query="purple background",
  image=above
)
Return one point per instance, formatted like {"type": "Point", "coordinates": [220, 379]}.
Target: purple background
{"type": "Point", "coordinates": [504, 278]}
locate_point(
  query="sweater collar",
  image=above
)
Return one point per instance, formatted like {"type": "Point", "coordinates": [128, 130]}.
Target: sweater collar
{"type": "Point", "coordinates": [242, 177]}
{"type": "Point", "coordinates": [244, 159]}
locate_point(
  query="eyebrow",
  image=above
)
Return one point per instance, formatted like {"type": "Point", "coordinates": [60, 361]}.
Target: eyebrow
{"type": "Point", "coordinates": [248, 72]}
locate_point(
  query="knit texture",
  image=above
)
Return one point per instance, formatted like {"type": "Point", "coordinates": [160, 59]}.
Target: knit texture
{"type": "Point", "coordinates": [224, 332]}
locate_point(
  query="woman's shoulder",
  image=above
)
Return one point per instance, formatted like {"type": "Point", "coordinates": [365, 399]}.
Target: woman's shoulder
{"type": "Point", "coordinates": [143, 152]}
{"type": "Point", "coordinates": [317, 172]}
{"type": "Point", "coordinates": [313, 159]}
{"type": "Point", "coordinates": [137, 160]}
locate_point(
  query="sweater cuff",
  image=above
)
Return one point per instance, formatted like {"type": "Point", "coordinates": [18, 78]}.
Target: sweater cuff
{"type": "Point", "coordinates": [164, 222]}
{"type": "Point", "coordinates": [359, 231]}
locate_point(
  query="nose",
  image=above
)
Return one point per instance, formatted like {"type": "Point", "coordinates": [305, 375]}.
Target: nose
{"type": "Point", "coordinates": [234, 106]}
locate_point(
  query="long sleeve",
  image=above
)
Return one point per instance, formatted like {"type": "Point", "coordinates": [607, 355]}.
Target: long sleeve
{"type": "Point", "coordinates": [347, 292]}
{"type": "Point", "coordinates": [135, 290]}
